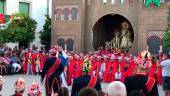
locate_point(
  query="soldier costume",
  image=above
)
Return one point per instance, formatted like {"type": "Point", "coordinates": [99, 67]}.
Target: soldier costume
{"type": "Point", "coordinates": [51, 72]}
{"type": "Point", "coordinates": [85, 80]}
{"type": "Point", "coordinates": [141, 81]}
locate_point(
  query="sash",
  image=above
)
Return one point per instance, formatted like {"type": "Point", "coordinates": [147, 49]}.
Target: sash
{"type": "Point", "coordinates": [53, 68]}
{"type": "Point", "coordinates": [149, 84]}
{"type": "Point", "coordinates": [29, 60]}
{"type": "Point", "coordinates": [92, 82]}
{"type": "Point", "coordinates": [37, 60]}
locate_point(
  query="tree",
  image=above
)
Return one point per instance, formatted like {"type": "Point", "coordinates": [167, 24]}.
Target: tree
{"type": "Point", "coordinates": [21, 29]}
{"type": "Point", "coordinates": [167, 33]}
{"type": "Point", "coordinates": [1, 37]}
{"type": "Point", "coordinates": [45, 33]}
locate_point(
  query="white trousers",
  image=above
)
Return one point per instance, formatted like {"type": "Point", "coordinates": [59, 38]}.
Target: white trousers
{"type": "Point", "coordinates": [38, 68]}
{"type": "Point", "coordinates": [63, 78]}
{"type": "Point", "coordinates": [16, 67]}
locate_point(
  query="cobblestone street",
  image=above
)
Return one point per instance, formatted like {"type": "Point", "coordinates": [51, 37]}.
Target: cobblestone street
{"type": "Point", "coordinates": [8, 87]}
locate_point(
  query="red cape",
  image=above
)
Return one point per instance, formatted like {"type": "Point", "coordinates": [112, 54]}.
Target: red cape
{"type": "Point", "coordinates": [25, 63]}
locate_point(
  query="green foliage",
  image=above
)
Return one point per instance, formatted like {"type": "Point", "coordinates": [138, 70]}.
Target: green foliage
{"type": "Point", "coordinates": [45, 33]}
{"type": "Point", "coordinates": [1, 37]}
{"type": "Point", "coordinates": [21, 29]}
{"type": "Point", "coordinates": [167, 33]}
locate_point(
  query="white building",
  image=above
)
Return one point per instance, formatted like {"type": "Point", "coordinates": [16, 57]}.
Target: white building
{"type": "Point", "coordinates": [36, 9]}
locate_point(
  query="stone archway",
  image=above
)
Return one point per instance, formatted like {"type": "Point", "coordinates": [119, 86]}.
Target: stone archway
{"type": "Point", "coordinates": [61, 42]}
{"type": "Point", "coordinates": [70, 44]}
{"type": "Point", "coordinates": [154, 42]}
{"type": "Point", "coordinates": [105, 28]}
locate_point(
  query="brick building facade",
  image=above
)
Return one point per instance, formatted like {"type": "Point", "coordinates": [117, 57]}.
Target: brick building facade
{"type": "Point", "coordinates": [74, 23]}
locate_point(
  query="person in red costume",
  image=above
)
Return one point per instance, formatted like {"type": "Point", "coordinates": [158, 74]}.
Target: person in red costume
{"type": "Point", "coordinates": [103, 67]}
{"type": "Point", "coordinates": [158, 71]}
{"type": "Point", "coordinates": [108, 70]}
{"type": "Point", "coordinates": [85, 80]}
{"type": "Point", "coordinates": [38, 61]}
{"type": "Point", "coordinates": [141, 81]}
{"type": "Point", "coordinates": [19, 87]}
{"type": "Point", "coordinates": [96, 69]}
{"type": "Point", "coordinates": [44, 57]}
{"type": "Point", "coordinates": [29, 66]}
{"type": "Point", "coordinates": [69, 70]}
{"type": "Point", "coordinates": [78, 68]}
{"type": "Point", "coordinates": [152, 71]}
{"type": "Point", "coordinates": [111, 70]}
{"type": "Point", "coordinates": [72, 62]}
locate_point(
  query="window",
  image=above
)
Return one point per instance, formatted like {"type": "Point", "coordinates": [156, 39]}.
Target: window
{"type": "Point", "coordinates": [61, 42]}
{"type": "Point", "coordinates": [2, 7]}
{"type": "Point", "coordinates": [58, 14]}
{"type": "Point", "coordinates": [66, 14]}
{"type": "Point", "coordinates": [162, 1]}
{"type": "Point", "coordinates": [166, 0]}
{"type": "Point", "coordinates": [24, 8]}
{"type": "Point", "coordinates": [104, 1]}
{"type": "Point", "coordinates": [112, 1]}
{"type": "Point", "coordinates": [70, 44]}
{"type": "Point", "coordinates": [74, 14]}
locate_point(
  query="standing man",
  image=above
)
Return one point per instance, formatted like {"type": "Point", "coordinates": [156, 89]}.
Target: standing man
{"type": "Point", "coordinates": [52, 70]}
{"type": "Point", "coordinates": [64, 60]}
{"type": "Point", "coordinates": [166, 73]}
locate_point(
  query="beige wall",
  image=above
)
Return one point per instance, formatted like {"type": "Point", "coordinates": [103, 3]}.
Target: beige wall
{"type": "Point", "coordinates": [152, 18]}
{"type": "Point", "coordinates": [90, 11]}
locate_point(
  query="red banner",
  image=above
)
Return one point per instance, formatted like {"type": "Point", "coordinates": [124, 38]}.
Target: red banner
{"type": "Point", "coordinates": [2, 18]}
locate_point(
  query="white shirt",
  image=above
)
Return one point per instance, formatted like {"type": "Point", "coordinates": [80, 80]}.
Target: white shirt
{"type": "Point", "coordinates": [165, 67]}
{"type": "Point", "coordinates": [118, 75]}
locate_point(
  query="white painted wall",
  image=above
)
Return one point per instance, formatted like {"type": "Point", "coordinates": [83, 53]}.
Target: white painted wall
{"type": "Point", "coordinates": [38, 10]}
{"type": "Point", "coordinates": [12, 6]}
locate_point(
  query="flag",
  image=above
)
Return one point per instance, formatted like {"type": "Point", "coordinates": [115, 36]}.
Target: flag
{"type": "Point", "coordinates": [121, 1]}
{"type": "Point", "coordinates": [2, 19]}
{"type": "Point", "coordinates": [157, 2]}
{"type": "Point", "coordinates": [148, 2]}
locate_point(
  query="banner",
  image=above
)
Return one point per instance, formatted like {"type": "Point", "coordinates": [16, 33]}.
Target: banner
{"type": "Point", "coordinates": [147, 3]}
{"type": "Point", "coordinates": [157, 3]}
{"type": "Point", "coordinates": [2, 19]}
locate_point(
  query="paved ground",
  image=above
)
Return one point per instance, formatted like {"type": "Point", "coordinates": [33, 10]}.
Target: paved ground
{"type": "Point", "coordinates": [8, 87]}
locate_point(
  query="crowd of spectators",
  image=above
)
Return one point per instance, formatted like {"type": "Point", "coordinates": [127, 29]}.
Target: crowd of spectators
{"type": "Point", "coordinates": [11, 59]}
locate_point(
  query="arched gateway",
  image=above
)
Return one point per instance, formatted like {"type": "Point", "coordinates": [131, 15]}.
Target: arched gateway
{"type": "Point", "coordinates": [113, 31]}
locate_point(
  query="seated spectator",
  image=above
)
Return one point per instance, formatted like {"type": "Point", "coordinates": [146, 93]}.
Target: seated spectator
{"type": "Point", "coordinates": [3, 66]}
{"type": "Point", "coordinates": [87, 91]}
{"type": "Point", "coordinates": [35, 90]}
{"type": "Point", "coordinates": [7, 60]}
{"type": "Point", "coordinates": [15, 62]}
{"type": "Point", "coordinates": [116, 88]}
{"type": "Point", "coordinates": [19, 87]}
